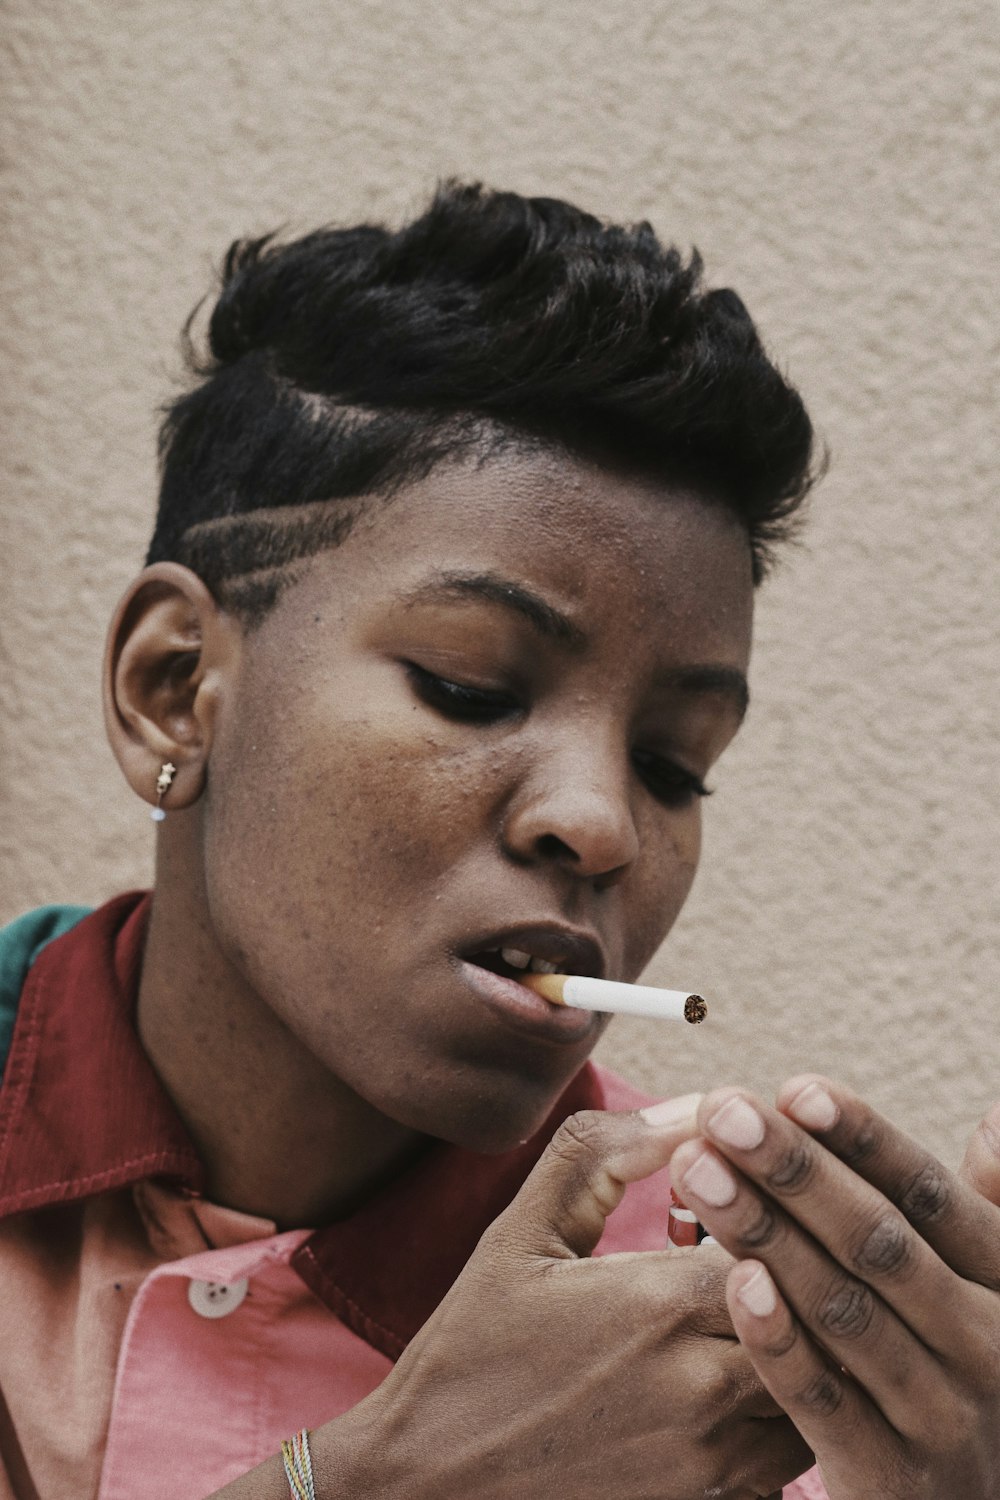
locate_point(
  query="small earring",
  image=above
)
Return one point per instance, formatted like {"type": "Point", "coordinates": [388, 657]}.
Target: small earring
{"type": "Point", "coordinates": [167, 773]}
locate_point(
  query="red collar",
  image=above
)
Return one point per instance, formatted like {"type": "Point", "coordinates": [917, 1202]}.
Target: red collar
{"type": "Point", "coordinates": [83, 1112]}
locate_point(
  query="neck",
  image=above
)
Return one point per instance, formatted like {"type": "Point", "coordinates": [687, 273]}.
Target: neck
{"type": "Point", "coordinates": [279, 1135]}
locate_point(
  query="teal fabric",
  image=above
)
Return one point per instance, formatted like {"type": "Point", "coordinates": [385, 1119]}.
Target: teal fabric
{"type": "Point", "coordinates": [21, 941]}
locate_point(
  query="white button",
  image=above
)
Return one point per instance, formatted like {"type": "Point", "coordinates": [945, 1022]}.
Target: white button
{"type": "Point", "coordinates": [214, 1299]}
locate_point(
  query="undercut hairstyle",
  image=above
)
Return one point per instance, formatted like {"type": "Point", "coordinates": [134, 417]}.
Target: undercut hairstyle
{"type": "Point", "coordinates": [346, 364]}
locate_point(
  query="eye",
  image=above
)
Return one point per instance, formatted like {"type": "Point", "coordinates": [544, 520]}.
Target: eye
{"type": "Point", "coordinates": [668, 782]}
{"type": "Point", "coordinates": [456, 700]}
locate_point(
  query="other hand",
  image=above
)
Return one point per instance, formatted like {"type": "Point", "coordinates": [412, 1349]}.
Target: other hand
{"type": "Point", "coordinates": [867, 1289]}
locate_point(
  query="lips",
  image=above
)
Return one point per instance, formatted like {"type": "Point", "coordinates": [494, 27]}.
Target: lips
{"type": "Point", "coordinates": [548, 949]}
{"type": "Point", "coordinates": [492, 967]}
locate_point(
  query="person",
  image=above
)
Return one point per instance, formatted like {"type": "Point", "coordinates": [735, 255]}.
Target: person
{"type": "Point", "coordinates": [445, 620]}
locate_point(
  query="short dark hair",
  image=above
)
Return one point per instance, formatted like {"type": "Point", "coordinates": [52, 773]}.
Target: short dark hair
{"type": "Point", "coordinates": [351, 361]}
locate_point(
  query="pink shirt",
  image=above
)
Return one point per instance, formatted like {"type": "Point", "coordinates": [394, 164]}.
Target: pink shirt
{"type": "Point", "coordinates": [156, 1345]}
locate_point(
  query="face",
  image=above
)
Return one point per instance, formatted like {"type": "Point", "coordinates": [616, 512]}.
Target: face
{"type": "Point", "coordinates": [477, 731]}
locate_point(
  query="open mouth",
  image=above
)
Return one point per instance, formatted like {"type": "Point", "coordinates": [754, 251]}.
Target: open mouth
{"type": "Point", "coordinates": [496, 976]}
{"type": "Point", "coordinates": [496, 965]}
{"type": "Point", "coordinates": [513, 963]}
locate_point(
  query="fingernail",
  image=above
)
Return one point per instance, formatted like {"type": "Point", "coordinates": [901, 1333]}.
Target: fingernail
{"type": "Point", "coordinates": [738, 1124]}
{"type": "Point", "coordinates": [706, 1178]}
{"type": "Point", "coordinates": [813, 1108]}
{"type": "Point", "coordinates": [673, 1111]}
{"type": "Point", "coordinates": [758, 1295]}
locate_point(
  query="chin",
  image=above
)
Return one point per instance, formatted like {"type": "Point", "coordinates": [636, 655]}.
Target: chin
{"type": "Point", "coordinates": [489, 1123]}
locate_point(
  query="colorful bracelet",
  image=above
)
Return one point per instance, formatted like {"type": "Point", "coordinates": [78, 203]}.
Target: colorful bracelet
{"type": "Point", "coordinates": [297, 1459]}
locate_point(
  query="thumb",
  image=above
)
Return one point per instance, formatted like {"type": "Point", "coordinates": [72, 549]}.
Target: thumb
{"type": "Point", "coordinates": [981, 1165]}
{"type": "Point", "coordinates": [581, 1177]}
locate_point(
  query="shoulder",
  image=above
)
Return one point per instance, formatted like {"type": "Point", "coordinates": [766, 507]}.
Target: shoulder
{"type": "Point", "coordinates": [21, 941]}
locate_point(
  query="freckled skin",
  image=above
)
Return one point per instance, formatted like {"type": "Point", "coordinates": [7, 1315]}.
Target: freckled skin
{"type": "Point", "coordinates": [351, 837]}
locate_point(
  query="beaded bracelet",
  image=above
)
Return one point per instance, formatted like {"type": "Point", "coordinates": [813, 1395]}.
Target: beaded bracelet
{"type": "Point", "coordinates": [297, 1459]}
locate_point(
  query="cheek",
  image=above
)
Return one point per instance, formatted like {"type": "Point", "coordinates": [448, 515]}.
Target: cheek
{"type": "Point", "coordinates": [662, 883]}
{"type": "Point", "coordinates": [339, 827]}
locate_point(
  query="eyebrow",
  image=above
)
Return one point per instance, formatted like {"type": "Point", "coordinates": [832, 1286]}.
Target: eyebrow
{"type": "Point", "coordinates": [725, 682]}
{"type": "Point", "coordinates": [706, 680]}
{"type": "Point", "coordinates": [496, 589]}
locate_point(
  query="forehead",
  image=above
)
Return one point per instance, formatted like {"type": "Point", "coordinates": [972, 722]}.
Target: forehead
{"type": "Point", "coordinates": [627, 559]}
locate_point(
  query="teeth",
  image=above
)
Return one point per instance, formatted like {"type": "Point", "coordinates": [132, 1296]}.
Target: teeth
{"type": "Point", "coordinates": [516, 958]}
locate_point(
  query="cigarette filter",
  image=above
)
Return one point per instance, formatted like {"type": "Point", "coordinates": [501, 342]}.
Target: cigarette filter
{"type": "Point", "coordinates": [619, 999]}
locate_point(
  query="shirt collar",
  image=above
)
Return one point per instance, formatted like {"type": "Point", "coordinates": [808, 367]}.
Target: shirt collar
{"type": "Point", "coordinates": [82, 1111]}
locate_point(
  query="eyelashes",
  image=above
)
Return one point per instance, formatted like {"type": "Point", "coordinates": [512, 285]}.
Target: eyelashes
{"type": "Point", "coordinates": [456, 700]}
{"type": "Point", "coordinates": [671, 784]}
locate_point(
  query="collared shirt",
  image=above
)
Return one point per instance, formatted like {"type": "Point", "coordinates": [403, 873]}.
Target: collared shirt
{"type": "Point", "coordinates": [157, 1345]}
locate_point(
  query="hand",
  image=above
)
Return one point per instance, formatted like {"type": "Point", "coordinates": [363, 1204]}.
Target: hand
{"type": "Point", "coordinates": [867, 1292]}
{"type": "Point", "coordinates": [547, 1372]}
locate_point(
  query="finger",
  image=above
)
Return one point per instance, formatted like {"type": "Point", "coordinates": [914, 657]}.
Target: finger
{"type": "Point", "coordinates": [980, 1167]}
{"type": "Point", "coordinates": [839, 1311]}
{"type": "Point", "coordinates": [833, 1415]}
{"type": "Point", "coordinates": [863, 1233]}
{"type": "Point", "coordinates": [954, 1219]}
{"type": "Point", "coordinates": [580, 1179]}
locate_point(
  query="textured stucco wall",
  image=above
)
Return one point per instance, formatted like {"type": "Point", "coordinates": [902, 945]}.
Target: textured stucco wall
{"type": "Point", "coordinates": [837, 164]}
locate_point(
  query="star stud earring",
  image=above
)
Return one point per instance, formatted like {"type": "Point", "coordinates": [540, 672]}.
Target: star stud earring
{"type": "Point", "coordinates": [167, 773]}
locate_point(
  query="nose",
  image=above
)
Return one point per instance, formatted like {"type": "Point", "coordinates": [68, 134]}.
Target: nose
{"type": "Point", "coordinates": [575, 809]}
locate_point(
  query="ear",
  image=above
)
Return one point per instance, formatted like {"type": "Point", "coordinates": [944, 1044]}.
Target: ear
{"type": "Point", "coordinates": [170, 651]}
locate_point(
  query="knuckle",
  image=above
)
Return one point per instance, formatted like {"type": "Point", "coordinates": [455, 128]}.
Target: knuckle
{"type": "Point", "coordinates": [862, 1143]}
{"type": "Point", "coordinates": [794, 1168]}
{"type": "Point", "coordinates": [848, 1310]}
{"type": "Point", "coordinates": [781, 1344]}
{"type": "Point", "coordinates": [760, 1231]}
{"type": "Point", "coordinates": [588, 1146]}
{"type": "Point", "coordinates": [927, 1196]}
{"type": "Point", "coordinates": [727, 1392]}
{"type": "Point", "coordinates": [886, 1248]}
{"type": "Point", "coordinates": [583, 1133]}
{"type": "Point", "coordinates": [823, 1395]}
{"type": "Point", "coordinates": [715, 1392]}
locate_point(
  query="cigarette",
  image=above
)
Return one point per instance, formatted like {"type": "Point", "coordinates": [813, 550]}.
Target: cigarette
{"type": "Point", "coordinates": [617, 999]}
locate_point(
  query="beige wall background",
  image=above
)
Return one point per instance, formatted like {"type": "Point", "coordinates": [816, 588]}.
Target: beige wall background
{"type": "Point", "coordinates": [837, 164]}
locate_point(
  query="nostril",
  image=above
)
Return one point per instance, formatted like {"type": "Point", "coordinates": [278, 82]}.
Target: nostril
{"type": "Point", "coordinates": [550, 846]}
